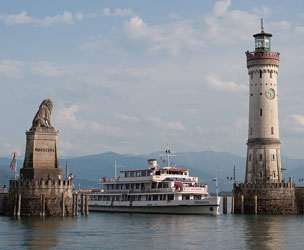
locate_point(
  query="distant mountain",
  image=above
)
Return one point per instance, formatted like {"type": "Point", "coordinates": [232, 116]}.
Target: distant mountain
{"type": "Point", "coordinates": [206, 165]}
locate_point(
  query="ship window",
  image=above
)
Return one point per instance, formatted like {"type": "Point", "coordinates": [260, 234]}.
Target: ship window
{"type": "Point", "coordinates": [165, 185]}
{"type": "Point", "coordinates": [144, 173]}
{"type": "Point", "coordinates": [126, 174]}
{"type": "Point", "coordinates": [155, 197]}
{"type": "Point", "coordinates": [272, 130]}
{"type": "Point", "coordinates": [261, 74]}
{"type": "Point", "coordinates": [137, 174]}
{"type": "Point", "coordinates": [153, 185]}
{"type": "Point", "coordinates": [132, 186]}
{"type": "Point", "coordinates": [131, 174]}
{"type": "Point", "coordinates": [160, 185]}
{"type": "Point", "coordinates": [186, 197]}
{"type": "Point", "coordinates": [261, 112]}
{"type": "Point", "coordinates": [197, 197]}
{"type": "Point", "coordinates": [157, 172]}
{"type": "Point", "coordinates": [170, 197]}
{"type": "Point", "coordinates": [127, 186]}
{"type": "Point", "coordinates": [137, 185]}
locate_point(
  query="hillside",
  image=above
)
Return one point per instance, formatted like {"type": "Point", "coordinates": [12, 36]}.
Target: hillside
{"type": "Point", "coordinates": [206, 165]}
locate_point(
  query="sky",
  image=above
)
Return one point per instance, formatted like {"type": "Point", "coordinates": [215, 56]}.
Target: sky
{"type": "Point", "coordinates": [133, 76]}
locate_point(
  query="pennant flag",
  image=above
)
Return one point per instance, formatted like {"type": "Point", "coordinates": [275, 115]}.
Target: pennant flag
{"type": "Point", "coordinates": [13, 163]}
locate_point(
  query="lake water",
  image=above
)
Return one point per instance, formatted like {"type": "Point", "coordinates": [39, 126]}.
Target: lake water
{"type": "Point", "coordinates": [151, 231]}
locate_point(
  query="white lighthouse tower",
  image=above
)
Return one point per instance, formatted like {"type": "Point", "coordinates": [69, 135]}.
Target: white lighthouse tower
{"type": "Point", "coordinates": [263, 147]}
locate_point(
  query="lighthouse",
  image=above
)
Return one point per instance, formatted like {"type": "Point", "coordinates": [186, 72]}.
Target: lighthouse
{"type": "Point", "coordinates": [263, 164]}
{"type": "Point", "coordinates": [264, 191]}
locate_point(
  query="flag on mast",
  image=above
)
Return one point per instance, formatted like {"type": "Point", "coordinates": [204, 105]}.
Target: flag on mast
{"type": "Point", "coordinates": [13, 163]}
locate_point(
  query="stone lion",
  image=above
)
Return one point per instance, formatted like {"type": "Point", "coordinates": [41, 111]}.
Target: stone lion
{"type": "Point", "coordinates": [43, 115]}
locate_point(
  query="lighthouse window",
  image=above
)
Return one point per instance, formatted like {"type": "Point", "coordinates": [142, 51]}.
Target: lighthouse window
{"type": "Point", "coordinates": [250, 131]}
{"type": "Point", "coordinates": [251, 75]}
{"type": "Point", "coordinates": [261, 157]}
{"type": "Point", "coordinates": [272, 130]}
{"type": "Point", "coordinates": [260, 93]}
{"type": "Point", "coordinates": [270, 74]}
{"type": "Point", "coordinates": [249, 158]}
{"type": "Point", "coordinates": [273, 157]}
{"type": "Point", "coordinates": [261, 113]}
{"type": "Point", "coordinates": [261, 74]}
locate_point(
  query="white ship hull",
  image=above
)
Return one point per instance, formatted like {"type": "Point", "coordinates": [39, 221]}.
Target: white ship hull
{"type": "Point", "coordinates": [206, 206]}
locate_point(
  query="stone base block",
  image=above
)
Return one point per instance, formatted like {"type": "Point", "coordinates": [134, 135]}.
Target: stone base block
{"type": "Point", "coordinates": [272, 198]}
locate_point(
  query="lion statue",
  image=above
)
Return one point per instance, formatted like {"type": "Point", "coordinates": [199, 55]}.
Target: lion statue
{"type": "Point", "coordinates": [43, 115]}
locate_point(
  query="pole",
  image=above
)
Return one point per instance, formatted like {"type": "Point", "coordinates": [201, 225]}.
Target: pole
{"type": "Point", "coordinates": [82, 204]}
{"type": "Point", "coordinates": [242, 204]}
{"type": "Point", "coordinates": [256, 204]}
{"type": "Point", "coordinates": [19, 205]}
{"type": "Point", "coordinates": [87, 205]}
{"type": "Point", "coordinates": [115, 169]}
{"type": "Point", "coordinates": [76, 212]}
{"type": "Point", "coordinates": [224, 204]}
{"type": "Point", "coordinates": [73, 205]}
{"type": "Point", "coordinates": [232, 204]}
{"type": "Point", "coordinates": [67, 170]}
{"type": "Point", "coordinates": [216, 188]}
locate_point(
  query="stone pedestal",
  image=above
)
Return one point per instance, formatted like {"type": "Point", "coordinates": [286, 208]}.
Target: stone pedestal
{"type": "Point", "coordinates": [41, 186]}
{"type": "Point", "coordinates": [41, 155]}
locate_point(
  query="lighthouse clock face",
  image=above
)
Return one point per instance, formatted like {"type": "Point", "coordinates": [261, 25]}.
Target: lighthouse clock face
{"type": "Point", "coordinates": [270, 94]}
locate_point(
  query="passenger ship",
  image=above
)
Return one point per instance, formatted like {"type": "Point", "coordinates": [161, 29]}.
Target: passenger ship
{"type": "Point", "coordinates": [168, 190]}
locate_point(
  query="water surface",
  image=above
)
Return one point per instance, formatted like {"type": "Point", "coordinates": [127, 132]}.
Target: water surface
{"type": "Point", "coordinates": [152, 231]}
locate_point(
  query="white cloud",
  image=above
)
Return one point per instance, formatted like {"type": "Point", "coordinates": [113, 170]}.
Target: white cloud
{"type": "Point", "coordinates": [23, 18]}
{"type": "Point", "coordinates": [66, 116]}
{"type": "Point", "coordinates": [217, 84]}
{"type": "Point", "coordinates": [11, 68]}
{"type": "Point", "coordinates": [220, 8]}
{"type": "Point", "coordinates": [298, 118]}
{"type": "Point", "coordinates": [241, 123]}
{"type": "Point", "coordinates": [229, 27]}
{"type": "Point", "coordinates": [172, 37]}
{"type": "Point", "coordinates": [79, 16]}
{"type": "Point", "coordinates": [165, 125]}
{"type": "Point", "coordinates": [107, 12]}
{"type": "Point", "coordinates": [45, 69]}
{"type": "Point", "coordinates": [125, 117]}
{"type": "Point", "coordinates": [124, 12]}
{"type": "Point", "coordinates": [66, 17]}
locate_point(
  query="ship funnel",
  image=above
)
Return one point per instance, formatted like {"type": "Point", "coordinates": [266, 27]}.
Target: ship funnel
{"type": "Point", "coordinates": [152, 163]}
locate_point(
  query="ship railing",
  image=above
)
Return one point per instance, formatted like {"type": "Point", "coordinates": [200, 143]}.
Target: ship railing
{"type": "Point", "coordinates": [104, 180]}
